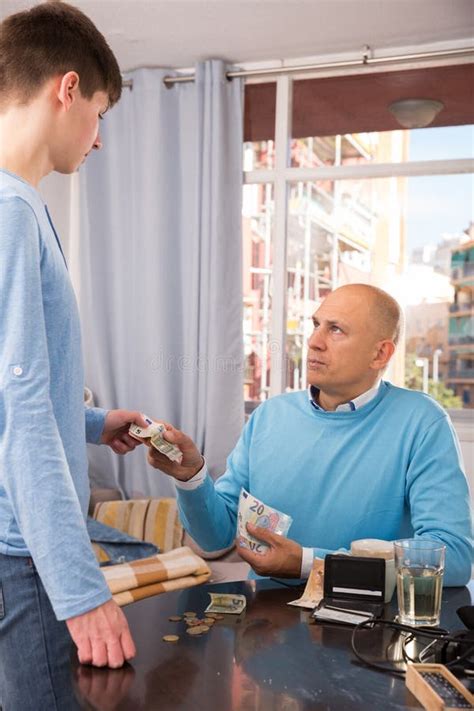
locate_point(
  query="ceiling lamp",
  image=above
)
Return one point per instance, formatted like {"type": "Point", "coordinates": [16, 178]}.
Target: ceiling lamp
{"type": "Point", "coordinates": [415, 113]}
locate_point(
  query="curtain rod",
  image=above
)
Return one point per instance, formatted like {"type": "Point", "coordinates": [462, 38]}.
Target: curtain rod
{"type": "Point", "coordinates": [366, 60]}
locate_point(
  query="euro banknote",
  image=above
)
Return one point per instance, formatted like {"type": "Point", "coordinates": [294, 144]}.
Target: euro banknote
{"type": "Point", "coordinates": [154, 432]}
{"type": "Point", "coordinates": [252, 510]}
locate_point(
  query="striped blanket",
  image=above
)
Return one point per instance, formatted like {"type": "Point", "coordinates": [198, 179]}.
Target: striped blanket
{"type": "Point", "coordinates": [175, 570]}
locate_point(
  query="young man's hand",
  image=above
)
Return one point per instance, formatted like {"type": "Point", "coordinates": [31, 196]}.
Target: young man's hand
{"type": "Point", "coordinates": [192, 461]}
{"type": "Point", "coordinates": [102, 636]}
{"type": "Point", "coordinates": [282, 560]}
{"type": "Point", "coordinates": [115, 433]}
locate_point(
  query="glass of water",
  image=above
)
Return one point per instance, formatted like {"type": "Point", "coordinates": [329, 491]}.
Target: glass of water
{"type": "Point", "coordinates": [419, 565]}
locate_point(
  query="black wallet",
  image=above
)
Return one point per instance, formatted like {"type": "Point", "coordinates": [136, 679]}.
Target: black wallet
{"type": "Point", "coordinates": [354, 589]}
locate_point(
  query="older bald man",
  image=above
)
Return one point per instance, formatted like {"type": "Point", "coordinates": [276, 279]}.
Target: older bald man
{"type": "Point", "coordinates": [353, 457]}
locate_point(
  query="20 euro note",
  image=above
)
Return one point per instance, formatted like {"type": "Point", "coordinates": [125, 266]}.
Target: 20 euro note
{"type": "Point", "coordinates": [252, 510]}
{"type": "Point", "coordinates": [154, 432]}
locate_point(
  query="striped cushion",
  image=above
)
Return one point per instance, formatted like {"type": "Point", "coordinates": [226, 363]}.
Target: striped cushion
{"type": "Point", "coordinates": [152, 520]}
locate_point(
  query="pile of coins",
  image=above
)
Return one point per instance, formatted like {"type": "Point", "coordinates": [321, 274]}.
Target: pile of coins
{"type": "Point", "coordinates": [195, 626]}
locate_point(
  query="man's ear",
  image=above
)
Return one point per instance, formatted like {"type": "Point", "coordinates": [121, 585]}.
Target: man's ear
{"type": "Point", "coordinates": [384, 351]}
{"type": "Point", "coordinates": [68, 89]}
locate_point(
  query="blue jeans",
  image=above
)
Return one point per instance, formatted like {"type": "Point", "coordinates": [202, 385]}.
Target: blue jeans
{"type": "Point", "coordinates": [35, 649]}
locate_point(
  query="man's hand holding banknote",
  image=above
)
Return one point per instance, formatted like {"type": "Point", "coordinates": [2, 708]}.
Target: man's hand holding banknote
{"type": "Point", "coordinates": [261, 530]}
{"type": "Point", "coordinates": [183, 467]}
{"type": "Point", "coordinates": [262, 541]}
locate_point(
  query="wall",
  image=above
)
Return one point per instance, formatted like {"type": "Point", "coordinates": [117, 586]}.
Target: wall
{"type": "Point", "coordinates": [55, 190]}
{"type": "Point", "coordinates": [463, 422]}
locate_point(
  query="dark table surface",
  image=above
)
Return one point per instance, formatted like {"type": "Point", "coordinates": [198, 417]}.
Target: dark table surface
{"type": "Point", "coordinates": [269, 658]}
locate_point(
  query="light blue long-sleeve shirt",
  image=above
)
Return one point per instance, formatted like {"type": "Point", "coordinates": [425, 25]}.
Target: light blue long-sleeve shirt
{"type": "Point", "coordinates": [390, 469]}
{"type": "Point", "coordinates": [44, 485]}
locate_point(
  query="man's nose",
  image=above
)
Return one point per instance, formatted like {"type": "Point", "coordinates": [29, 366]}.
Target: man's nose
{"type": "Point", "coordinates": [316, 340]}
{"type": "Point", "coordinates": [97, 145]}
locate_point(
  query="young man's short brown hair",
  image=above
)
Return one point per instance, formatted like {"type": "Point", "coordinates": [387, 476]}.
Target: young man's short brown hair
{"type": "Point", "coordinates": [50, 39]}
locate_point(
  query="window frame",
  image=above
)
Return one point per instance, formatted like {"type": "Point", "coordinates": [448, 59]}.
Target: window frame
{"type": "Point", "coordinates": [282, 175]}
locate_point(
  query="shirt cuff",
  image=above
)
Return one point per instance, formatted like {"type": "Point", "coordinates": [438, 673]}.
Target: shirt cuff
{"type": "Point", "coordinates": [306, 562]}
{"type": "Point", "coordinates": [195, 480]}
{"type": "Point", "coordinates": [95, 421]}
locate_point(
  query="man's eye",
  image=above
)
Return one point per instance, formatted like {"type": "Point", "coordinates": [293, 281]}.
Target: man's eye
{"type": "Point", "coordinates": [336, 329]}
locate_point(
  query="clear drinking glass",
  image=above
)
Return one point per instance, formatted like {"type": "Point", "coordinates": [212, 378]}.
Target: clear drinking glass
{"type": "Point", "coordinates": [420, 565]}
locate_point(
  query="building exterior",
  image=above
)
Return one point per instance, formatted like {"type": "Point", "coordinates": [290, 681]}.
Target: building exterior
{"type": "Point", "coordinates": [461, 321]}
{"type": "Point", "coordinates": [438, 255]}
{"type": "Point", "coordinates": [428, 294]}
{"type": "Point", "coordinates": [427, 335]}
{"type": "Point", "coordinates": [338, 232]}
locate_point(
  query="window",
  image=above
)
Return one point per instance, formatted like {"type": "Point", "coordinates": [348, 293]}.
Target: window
{"type": "Point", "coordinates": [258, 213]}
{"type": "Point", "coordinates": [387, 207]}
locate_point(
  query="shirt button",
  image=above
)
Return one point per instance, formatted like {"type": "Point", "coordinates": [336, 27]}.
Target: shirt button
{"type": "Point", "coordinates": [17, 370]}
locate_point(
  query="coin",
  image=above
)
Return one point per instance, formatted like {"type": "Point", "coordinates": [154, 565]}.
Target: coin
{"type": "Point", "coordinates": [170, 638]}
{"type": "Point", "coordinates": [175, 618]}
{"type": "Point", "coordinates": [189, 614]}
{"type": "Point", "coordinates": [215, 615]}
{"type": "Point", "coordinates": [199, 629]}
{"type": "Point", "coordinates": [194, 622]}
{"type": "Point", "coordinates": [209, 620]}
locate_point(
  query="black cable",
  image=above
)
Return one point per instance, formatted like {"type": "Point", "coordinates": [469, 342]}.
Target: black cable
{"type": "Point", "coordinates": [287, 585]}
{"type": "Point", "coordinates": [458, 638]}
{"type": "Point", "coordinates": [436, 633]}
{"type": "Point", "coordinates": [406, 657]}
{"type": "Point", "coordinates": [379, 667]}
{"type": "Point", "coordinates": [465, 655]}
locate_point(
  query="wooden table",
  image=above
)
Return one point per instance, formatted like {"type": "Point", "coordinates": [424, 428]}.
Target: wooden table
{"type": "Point", "coordinates": [267, 659]}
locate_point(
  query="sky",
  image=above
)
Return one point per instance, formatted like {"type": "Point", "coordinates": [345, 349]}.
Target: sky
{"type": "Point", "coordinates": [441, 203]}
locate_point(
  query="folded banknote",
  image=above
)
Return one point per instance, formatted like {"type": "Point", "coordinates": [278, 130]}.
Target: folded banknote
{"type": "Point", "coordinates": [226, 604]}
{"type": "Point", "coordinates": [154, 432]}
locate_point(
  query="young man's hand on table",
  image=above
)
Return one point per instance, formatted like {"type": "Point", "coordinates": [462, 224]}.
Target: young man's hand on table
{"type": "Point", "coordinates": [282, 560]}
{"type": "Point", "coordinates": [102, 636]}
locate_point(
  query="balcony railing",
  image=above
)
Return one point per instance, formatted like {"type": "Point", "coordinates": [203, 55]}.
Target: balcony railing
{"type": "Point", "coordinates": [455, 340]}
{"type": "Point", "coordinates": [462, 374]}
{"type": "Point", "coordinates": [462, 272]}
{"type": "Point", "coordinates": [454, 308]}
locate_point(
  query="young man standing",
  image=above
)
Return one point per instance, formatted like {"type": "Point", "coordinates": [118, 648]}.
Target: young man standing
{"type": "Point", "coordinates": [58, 77]}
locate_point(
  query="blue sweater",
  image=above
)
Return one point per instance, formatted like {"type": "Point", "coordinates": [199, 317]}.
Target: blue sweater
{"type": "Point", "coordinates": [44, 486]}
{"type": "Point", "coordinates": [391, 469]}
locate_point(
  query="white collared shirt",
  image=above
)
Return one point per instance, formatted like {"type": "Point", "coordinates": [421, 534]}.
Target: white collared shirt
{"type": "Point", "coordinates": [354, 404]}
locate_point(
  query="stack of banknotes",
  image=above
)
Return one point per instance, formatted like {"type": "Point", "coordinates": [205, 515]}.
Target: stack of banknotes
{"type": "Point", "coordinates": [154, 432]}
{"type": "Point", "coordinates": [252, 510]}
